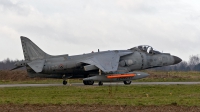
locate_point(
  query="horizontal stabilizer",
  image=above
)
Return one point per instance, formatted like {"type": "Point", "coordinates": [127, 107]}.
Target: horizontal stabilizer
{"type": "Point", "coordinates": [37, 65]}
{"type": "Point", "coordinates": [16, 68]}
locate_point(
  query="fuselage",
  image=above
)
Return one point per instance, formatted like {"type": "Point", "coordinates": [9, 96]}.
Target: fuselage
{"type": "Point", "coordinates": [72, 66]}
{"type": "Point", "coordinates": [111, 66]}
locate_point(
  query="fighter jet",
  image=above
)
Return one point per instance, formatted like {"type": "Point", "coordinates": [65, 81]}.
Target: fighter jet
{"type": "Point", "coordinates": [104, 66]}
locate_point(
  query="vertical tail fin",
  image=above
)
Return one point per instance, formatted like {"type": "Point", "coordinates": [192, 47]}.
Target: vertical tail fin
{"type": "Point", "coordinates": [32, 51]}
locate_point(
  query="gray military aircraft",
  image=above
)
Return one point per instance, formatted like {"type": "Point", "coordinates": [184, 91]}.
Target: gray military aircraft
{"type": "Point", "coordinates": [105, 66]}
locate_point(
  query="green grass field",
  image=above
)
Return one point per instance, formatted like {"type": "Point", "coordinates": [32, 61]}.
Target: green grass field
{"type": "Point", "coordinates": [137, 95]}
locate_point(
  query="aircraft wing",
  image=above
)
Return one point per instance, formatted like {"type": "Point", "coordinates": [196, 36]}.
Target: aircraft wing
{"type": "Point", "coordinates": [108, 62]}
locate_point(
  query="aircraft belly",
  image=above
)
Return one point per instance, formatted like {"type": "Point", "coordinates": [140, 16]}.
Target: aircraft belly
{"type": "Point", "coordinates": [117, 77]}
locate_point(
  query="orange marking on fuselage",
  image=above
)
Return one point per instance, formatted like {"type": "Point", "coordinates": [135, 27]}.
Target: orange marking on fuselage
{"type": "Point", "coordinates": [120, 76]}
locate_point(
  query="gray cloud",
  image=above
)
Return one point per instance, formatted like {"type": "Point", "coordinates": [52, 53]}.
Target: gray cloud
{"type": "Point", "coordinates": [77, 26]}
{"type": "Point", "coordinates": [8, 6]}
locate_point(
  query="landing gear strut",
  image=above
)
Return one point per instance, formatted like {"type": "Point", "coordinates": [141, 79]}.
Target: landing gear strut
{"type": "Point", "coordinates": [100, 83]}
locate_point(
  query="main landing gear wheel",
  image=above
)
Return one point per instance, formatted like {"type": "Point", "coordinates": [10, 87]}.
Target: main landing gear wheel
{"type": "Point", "coordinates": [88, 82]}
{"type": "Point", "coordinates": [100, 83]}
{"type": "Point", "coordinates": [64, 82]}
{"type": "Point", "coordinates": [127, 82]}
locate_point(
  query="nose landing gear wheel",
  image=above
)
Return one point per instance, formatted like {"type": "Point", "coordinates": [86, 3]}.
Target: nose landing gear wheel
{"type": "Point", "coordinates": [64, 80]}
{"type": "Point", "coordinates": [127, 82]}
{"type": "Point", "coordinates": [100, 83]}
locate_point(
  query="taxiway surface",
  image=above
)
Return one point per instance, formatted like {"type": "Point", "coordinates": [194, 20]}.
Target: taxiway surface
{"type": "Point", "coordinates": [96, 84]}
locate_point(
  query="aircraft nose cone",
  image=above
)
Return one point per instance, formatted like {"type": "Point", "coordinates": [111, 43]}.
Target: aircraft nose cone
{"type": "Point", "coordinates": [177, 59]}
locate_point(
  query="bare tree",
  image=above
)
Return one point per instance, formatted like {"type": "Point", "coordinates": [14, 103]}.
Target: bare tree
{"type": "Point", "coordinates": [193, 61]}
{"type": "Point", "coordinates": [182, 66]}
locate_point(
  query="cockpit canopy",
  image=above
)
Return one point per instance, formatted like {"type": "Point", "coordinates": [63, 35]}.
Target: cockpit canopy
{"type": "Point", "coordinates": [147, 49]}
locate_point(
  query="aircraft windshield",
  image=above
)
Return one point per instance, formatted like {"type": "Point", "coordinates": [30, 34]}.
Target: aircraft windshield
{"type": "Point", "coordinates": [148, 49]}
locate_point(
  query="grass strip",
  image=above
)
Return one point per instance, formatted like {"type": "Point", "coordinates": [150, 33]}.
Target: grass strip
{"type": "Point", "coordinates": [137, 95]}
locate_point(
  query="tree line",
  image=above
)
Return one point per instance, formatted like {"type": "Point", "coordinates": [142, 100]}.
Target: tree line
{"type": "Point", "coordinates": [7, 64]}
{"type": "Point", "coordinates": [192, 65]}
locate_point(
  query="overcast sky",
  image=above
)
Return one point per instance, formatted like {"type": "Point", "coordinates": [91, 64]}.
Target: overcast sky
{"type": "Point", "coordinates": [81, 26]}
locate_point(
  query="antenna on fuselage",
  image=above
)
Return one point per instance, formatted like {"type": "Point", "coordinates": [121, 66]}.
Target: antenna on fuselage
{"type": "Point", "coordinates": [98, 50]}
